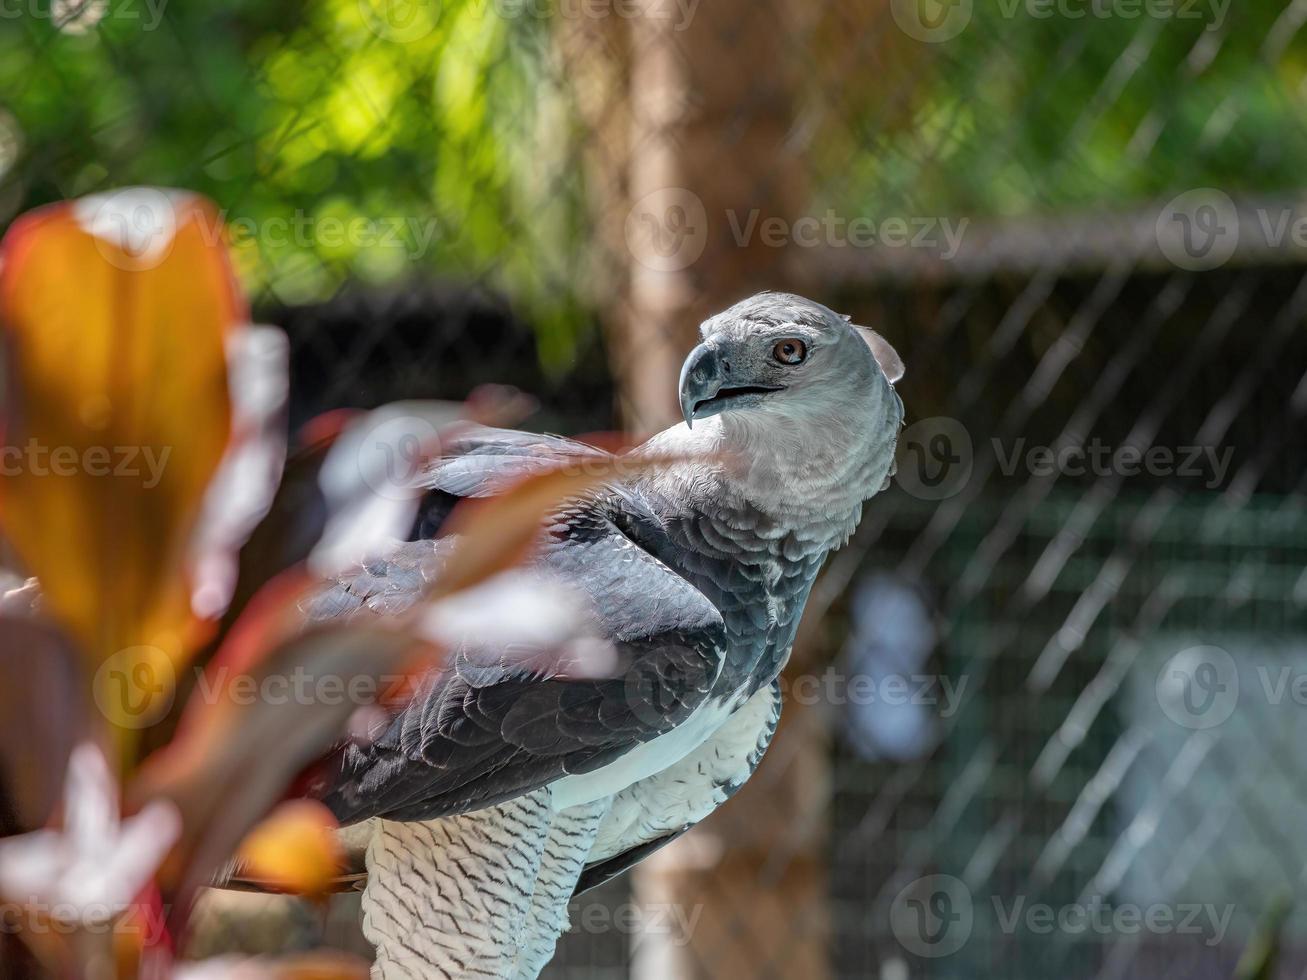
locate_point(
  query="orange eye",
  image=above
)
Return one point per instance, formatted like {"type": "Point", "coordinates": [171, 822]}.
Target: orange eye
{"type": "Point", "coordinates": [790, 351]}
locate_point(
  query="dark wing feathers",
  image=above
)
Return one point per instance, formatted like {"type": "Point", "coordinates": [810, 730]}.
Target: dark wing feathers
{"type": "Point", "coordinates": [481, 460]}
{"type": "Point", "coordinates": [482, 730]}
{"type": "Point", "coordinates": [594, 875]}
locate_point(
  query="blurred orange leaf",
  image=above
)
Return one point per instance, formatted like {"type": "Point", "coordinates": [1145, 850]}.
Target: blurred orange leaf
{"type": "Point", "coordinates": [295, 849]}
{"type": "Point", "coordinates": [321, 966]}
{"type": "Point", "coordinates": [268, 708]}
{"type": "Point", "coordinates": [317, 965]}
{"type": "Point", "coordinates": [115, 311]}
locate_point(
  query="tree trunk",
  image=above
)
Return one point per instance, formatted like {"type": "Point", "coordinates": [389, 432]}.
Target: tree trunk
{"type": "Point", "coordinates": [684, 172]}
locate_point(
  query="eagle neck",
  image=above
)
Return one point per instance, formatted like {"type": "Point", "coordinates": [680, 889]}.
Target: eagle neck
{"type": "Point", "coordinates": [752, 525]}
{"type": "Point", "coordinates": [771, 471]}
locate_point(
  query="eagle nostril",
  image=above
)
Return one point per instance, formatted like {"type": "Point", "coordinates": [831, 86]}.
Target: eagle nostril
{"type": "Point", "coordinates": [726, 367]}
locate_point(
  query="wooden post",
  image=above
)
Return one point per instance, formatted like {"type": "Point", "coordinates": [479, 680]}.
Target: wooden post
{"type": "Point", "coordinates": [684, 171]}
{"type": "Point", "coordinates": [710, 146]}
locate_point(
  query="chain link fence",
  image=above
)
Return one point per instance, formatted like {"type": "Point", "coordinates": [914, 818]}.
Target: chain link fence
{"type": "Point", "coordinates": [1045, 713]}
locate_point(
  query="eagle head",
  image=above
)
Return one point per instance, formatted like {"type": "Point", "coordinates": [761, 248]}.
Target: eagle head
{"type": "Point", "coordinates": [780, 359]}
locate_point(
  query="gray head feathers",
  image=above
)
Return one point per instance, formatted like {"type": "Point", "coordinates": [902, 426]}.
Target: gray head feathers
{"type": "Point", "coordinates": [802, 397]}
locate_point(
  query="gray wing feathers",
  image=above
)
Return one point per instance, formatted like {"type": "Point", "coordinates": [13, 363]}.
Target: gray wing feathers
{"type": "Point", "coordinates": [488, 728]}
{"type": "Point", "coordinates": [481, 460]}
{"type": "Point", "coordinates": [385, 586]}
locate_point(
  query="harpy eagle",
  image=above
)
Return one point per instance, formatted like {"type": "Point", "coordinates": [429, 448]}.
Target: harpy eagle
{"type": "Point", "coordinates": [503, 789]}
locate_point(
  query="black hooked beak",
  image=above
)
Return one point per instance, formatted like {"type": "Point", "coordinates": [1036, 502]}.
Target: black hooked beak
{"type": "Point", "coordinates": [708, 388]}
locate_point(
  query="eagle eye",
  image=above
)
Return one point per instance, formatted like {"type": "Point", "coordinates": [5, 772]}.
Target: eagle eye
{"type": "Point", "coordinates": [790, 351]}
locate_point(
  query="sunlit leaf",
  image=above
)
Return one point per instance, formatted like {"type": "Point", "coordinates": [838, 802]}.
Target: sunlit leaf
{"type": "Point", "coordinates": [294, 522]}
{"type": "Point", "coordinates": [267, 708]}
{"type": "Point", "coordinates": [241, 492]}
{"type": "Point", "coordinates": [376, 472]}
{"type": "Point", "coordinates": [115, 312]}
{"type": "Point", "coordinates": [295, 849]}
{"type": "Point", "coordinates": [306, 503]}
{"type": "Point", "coordinates": [89, 870]}
{"type": "Point", "coordinates": [372, 480]}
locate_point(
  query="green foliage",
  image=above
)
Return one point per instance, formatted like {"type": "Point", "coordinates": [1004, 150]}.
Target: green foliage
{"type": "Point", "coordinates": [343, 138]}
{"type": "Point", "coordinates": [375, 139]}
{"type": "Point", "coordinates": [1029, 110]}
{"type": "Point", "coordinates": [1261, 956]}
